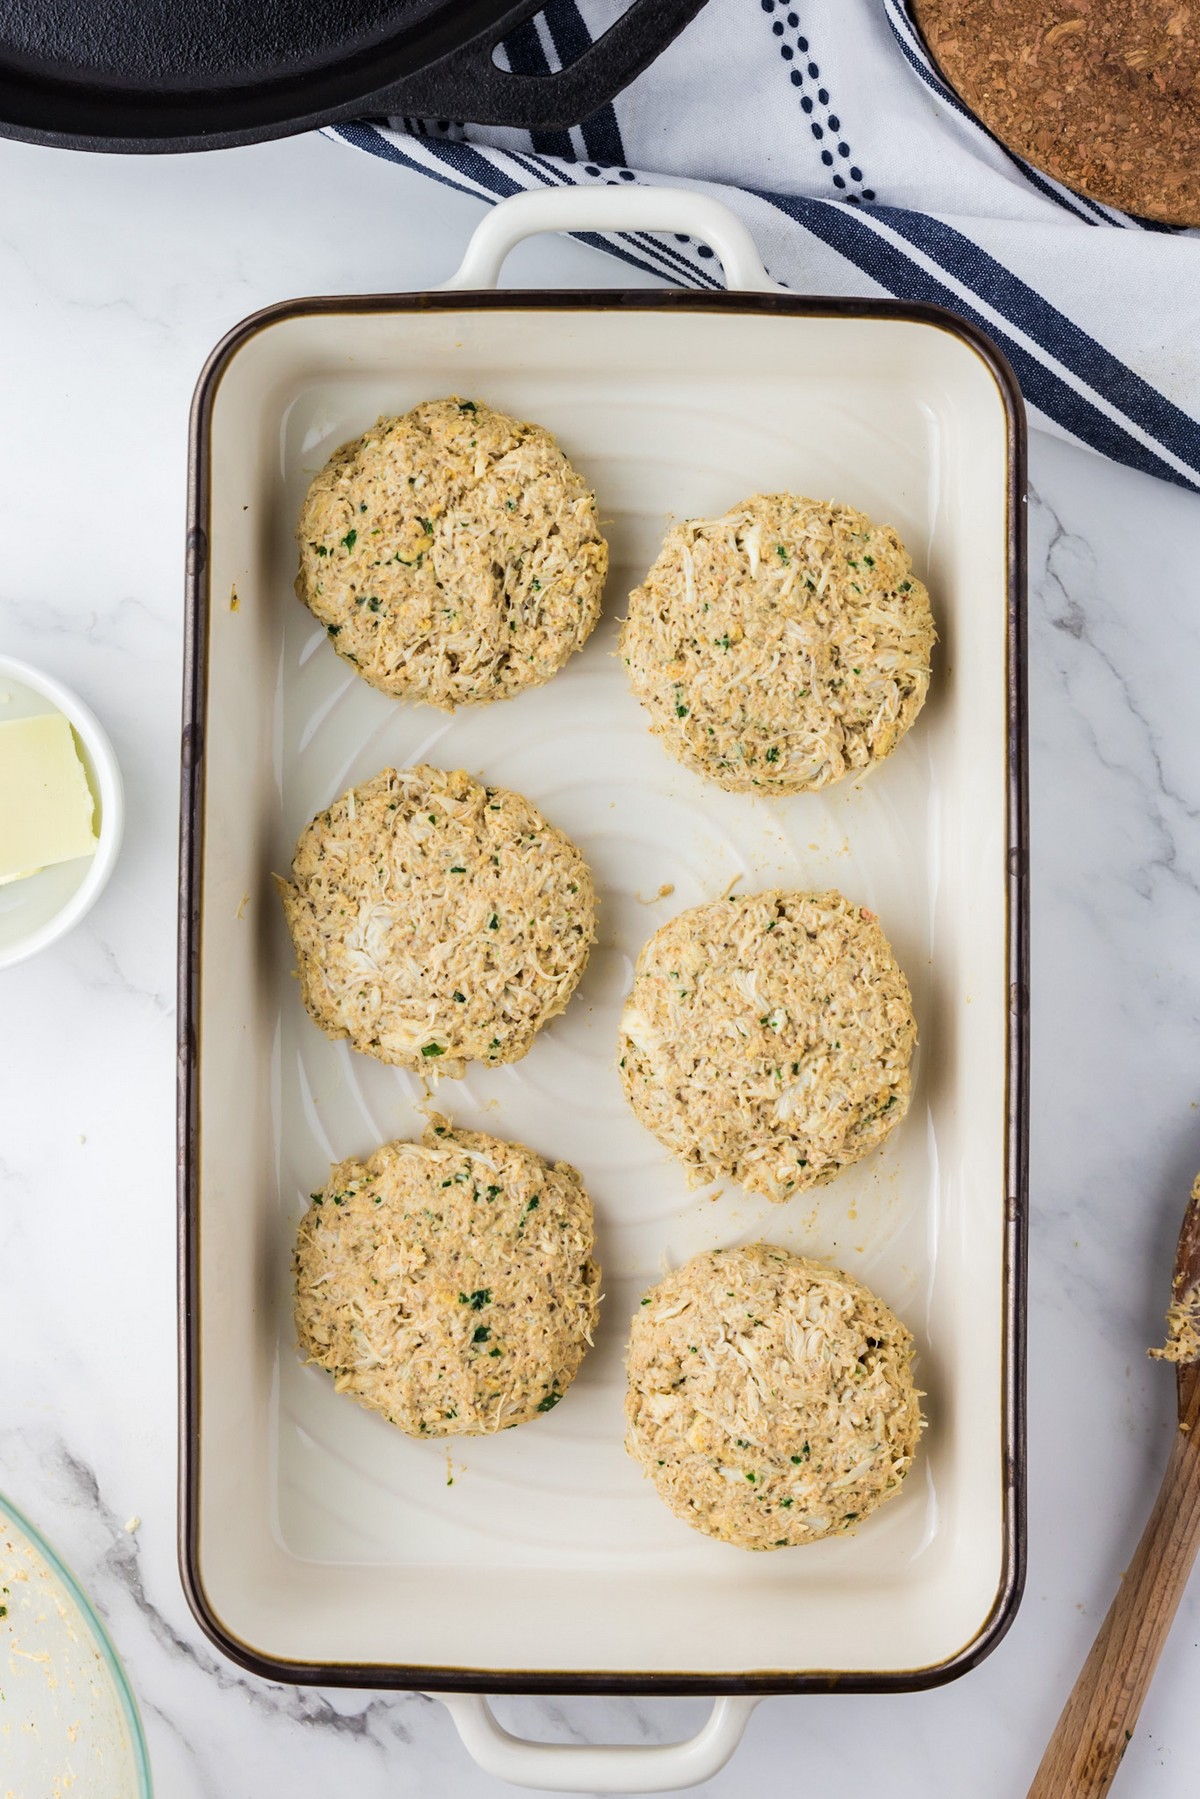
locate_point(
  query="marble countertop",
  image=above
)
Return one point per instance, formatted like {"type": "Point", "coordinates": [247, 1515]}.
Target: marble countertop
{"type": "Point", "coordinates": [116, 278]}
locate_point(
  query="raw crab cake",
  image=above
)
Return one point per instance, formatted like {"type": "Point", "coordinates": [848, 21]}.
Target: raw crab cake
{"type": "Point", "coordinates": [453, 555]}
{"type": "Point", "coordinates": [781, 647]}
{"type": "Point", "coordinates": [436, 921]}
{"type": "Point", "coordinates": [770, 1398]}
{"type": "Point", "coordinates": [449, 1284]}
{"type": "Point", "coordinates": [768, 1039]}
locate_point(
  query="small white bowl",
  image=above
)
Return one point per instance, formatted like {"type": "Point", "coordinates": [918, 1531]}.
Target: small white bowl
{"type": "Point", "coordinates": [44, 907]}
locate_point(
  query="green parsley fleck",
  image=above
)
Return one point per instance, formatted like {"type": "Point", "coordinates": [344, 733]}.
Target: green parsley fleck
{"type": "Point", "coordinates": [548, 1404]}
{"type": "Point", "coordinates": [432, 1049]}
{"type": "Point", "coordinates": [481, 1297]}
{"type": "Point", "coordinates": [350, 539]}
{"type": "Point", "coordinates": [773, 753]}
{"type": "Point", "coordinates": [482, 1334]}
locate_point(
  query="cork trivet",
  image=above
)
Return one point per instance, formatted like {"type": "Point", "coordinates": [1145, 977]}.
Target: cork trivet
{"type": "Point", "coordinates": [1102, 94]}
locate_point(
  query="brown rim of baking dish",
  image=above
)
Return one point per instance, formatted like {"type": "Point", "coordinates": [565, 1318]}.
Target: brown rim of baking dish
{"type": "Point", "coordinates": [1016, 1133]}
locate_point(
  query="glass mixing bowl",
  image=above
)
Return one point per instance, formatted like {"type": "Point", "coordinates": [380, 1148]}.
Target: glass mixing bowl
{"type": "Point", "coordinates": [68, 1718]}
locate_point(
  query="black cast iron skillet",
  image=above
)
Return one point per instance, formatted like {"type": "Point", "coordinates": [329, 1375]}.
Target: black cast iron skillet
{"type": "Point", "coordinates": [155, 75]}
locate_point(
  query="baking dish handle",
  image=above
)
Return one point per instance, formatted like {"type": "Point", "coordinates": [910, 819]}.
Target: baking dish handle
{"type": "Point", "coordinates": [598, 1767]}
{"type": "Point", "coordinates": [613, 209]}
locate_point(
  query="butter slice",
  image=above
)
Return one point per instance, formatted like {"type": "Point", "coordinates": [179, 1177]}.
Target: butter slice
{"type": "Point", "coordinates": [47, 812]}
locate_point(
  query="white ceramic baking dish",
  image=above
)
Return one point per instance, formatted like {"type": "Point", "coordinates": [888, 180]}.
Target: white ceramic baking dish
{"type": "Point", "coordinates": [319, 1544]}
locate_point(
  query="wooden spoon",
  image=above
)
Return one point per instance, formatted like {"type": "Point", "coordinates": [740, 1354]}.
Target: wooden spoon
{"type": "Point", "coordinates": [1098, 1719]}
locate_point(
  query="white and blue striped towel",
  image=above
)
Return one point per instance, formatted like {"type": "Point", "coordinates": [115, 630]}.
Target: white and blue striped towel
{"type": "Point", "coordinates": [824, 124]}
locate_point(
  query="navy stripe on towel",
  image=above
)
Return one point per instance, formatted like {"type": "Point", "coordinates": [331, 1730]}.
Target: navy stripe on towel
{"type": "Point", "coordinates": [851, 234]}
{"type": "Point", "coordinates": [1051, 330]}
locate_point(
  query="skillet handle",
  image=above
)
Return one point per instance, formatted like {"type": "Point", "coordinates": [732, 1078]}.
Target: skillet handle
{"type": "Point", "coordinates": [612, 209]}
{"type": "Point", "coordinates": [463, 81]}
{"type": "Point", "coordinates": [598, 1767]}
